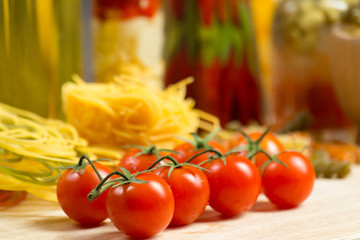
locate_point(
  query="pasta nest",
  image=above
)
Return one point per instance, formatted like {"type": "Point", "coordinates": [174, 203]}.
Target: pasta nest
{"type": "Point", "coordinates": [32, 151]}
{"type": "Point", "coordinates": [127, 112]}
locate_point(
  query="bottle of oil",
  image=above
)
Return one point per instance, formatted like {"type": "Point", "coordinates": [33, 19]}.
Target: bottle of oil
{"type": "Point", "coordinates": [40, 47]}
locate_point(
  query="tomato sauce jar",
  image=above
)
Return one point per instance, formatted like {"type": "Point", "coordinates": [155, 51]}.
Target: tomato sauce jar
{"type": "Point", "coordinates": [213, 41]}
{"type": "Point", "coordinates": [128, 39]}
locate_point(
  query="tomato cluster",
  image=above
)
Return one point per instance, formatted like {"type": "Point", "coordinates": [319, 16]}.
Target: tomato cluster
{"type": "Point", "coordinates": [151, 191]}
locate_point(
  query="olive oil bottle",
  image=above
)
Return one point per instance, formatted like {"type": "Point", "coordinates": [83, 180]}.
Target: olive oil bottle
{"type": "Point", "coordinates": [40, 48]}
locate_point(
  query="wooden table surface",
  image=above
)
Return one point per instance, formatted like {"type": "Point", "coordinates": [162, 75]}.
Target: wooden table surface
{"type": "Point", "coordinates": [331, 212]}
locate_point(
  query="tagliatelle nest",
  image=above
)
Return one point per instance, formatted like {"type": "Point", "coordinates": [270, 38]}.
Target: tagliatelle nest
{"type": "Point", "coordinates": [31, 150]}
{"type": "Point", "coordinates": [127, 112]}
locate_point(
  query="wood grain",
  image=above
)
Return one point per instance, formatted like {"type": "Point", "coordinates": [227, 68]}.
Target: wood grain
{"type": "Point", "coordinates": [331, 212]}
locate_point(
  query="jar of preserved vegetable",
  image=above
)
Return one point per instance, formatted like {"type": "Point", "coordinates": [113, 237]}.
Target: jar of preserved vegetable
{"type": "Point", "coordinates": [213, 42]}
{"type": "Point", "coordinates": [128, 39]}
{"type": "Point", "coordinates": [301, 81]}
{"type": "Point", "coordinates": [345, 44]}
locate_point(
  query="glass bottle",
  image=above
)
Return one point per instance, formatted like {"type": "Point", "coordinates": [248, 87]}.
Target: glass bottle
{"type": "Point", "coordinates": [128, 39]}
{"type": "Point", "coordinates": [40, 48]}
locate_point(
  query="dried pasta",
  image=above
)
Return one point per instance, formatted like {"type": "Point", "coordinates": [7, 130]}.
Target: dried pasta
{"type": "Point", "coordinates": [128, 112]}
{"type": "Point", "coordinates": [31, 148]}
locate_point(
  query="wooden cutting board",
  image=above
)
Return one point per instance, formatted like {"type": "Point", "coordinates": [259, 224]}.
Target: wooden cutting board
{"type": "Point", "coordinates": [331, 212]}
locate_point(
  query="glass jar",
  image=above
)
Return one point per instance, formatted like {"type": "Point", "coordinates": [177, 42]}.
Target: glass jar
{"type": "Point", "coordinates": [301, 81]}
{"type": "Point", "coordinates": [128, 39]}
{"type": "Point", "coordinates": [213, 42]}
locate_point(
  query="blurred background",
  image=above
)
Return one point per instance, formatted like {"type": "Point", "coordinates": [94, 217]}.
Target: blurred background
{"type": "Point", "coordinates": [291, 64]}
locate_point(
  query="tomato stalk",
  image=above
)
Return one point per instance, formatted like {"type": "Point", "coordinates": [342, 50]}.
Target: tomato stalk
{"type": "Point", "coordinates": [105, 183]}
{"type": "Point", "coordinates": [273, 158]}
{"type": "Point", "coordinates": [172, 164]}
{"type": "Point", "coordinates": [80, 166]}
{"type": "Point", "coordinates": [173, 160]}
{"type": "Point", "coordinates": [216, 156]}
{"type": "Point", "coordinates": [202, 143]}
{"type": "Point", "coordinates": [252, 147]}
{"type": "Point", "coordinates": [151, 149]}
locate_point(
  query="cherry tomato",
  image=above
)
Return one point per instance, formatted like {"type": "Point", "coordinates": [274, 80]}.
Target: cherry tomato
{"type": "Point", "coordinates": [11, 198]}
{"type": "Point", "coordinates": [288, 187]}
{"type": "Point", "coordinates": [191, 192]}
{"type": "Point", "coordinates": [136, 163]}
{"type": "Point", "coordinates": [269, 143]}
{"type": "Point", "coordinates": [187, 150]}
{"type": "Point", "coordinates": [141, 210]}
{"type": "Point", "coordinates": [234, 187]}
{"type": "Point", "coordinates": [72, 190]}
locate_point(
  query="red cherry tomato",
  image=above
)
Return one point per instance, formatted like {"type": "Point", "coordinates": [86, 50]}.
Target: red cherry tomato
{"type": "Point", "coordinates": [141, 210]}
{"type": "Point", "coordinates": [288, 187]}
{"type": "Point", "coordinates": [11, 198]}
{"type": "Point", "coordinates": [136, 163]}
{"type": "Point", "coordinates": [187, 150]}
{"type": "Point", "coordinates": [191, 192]}
{"type": "Point", "coordinates": [234, 187]}
{"type": "Point", "coordinates": [269, 143]}
{"type": "Point", "coordinates": [72, 190]}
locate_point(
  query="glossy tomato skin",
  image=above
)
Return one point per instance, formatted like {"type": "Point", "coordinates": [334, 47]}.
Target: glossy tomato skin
{"type": "Point", "coordinates": [141, 210]}
{"type": "Point", "coordinates": [191, 192]}
{"type": "Point", "coordinates": [188, 150]}
{"type": "Point", "coordinates": [289, 187]}
{"type": "Point", "coordinates": [72, 190]}
{"type": "Point", "coordinates": [269, 143]}
{"type": "Point", "coordinates": [138, 163]}
{"type": "Point", "coordinates": [234, 187]}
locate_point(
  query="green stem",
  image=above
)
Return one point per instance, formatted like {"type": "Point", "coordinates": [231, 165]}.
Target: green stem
{"type": "Point", "coordinates": [259, 149]}
{"type": "Point", "coordinates": [102, 186]}
{"type": "Point", "coordinates": [162, 158]}
{"type": "Point", "coordinates": [273, 158]}
{"type": "Point", "coordinates": [263, 135]}
{"type": "Point", "coordinates": [84, 157]}
{"type": "Point", "coordinates": [253, 147]}
{"type": "Point", "coordinates": [198, 142]}
{"type": "Point", "coordinates": [220, 155]}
